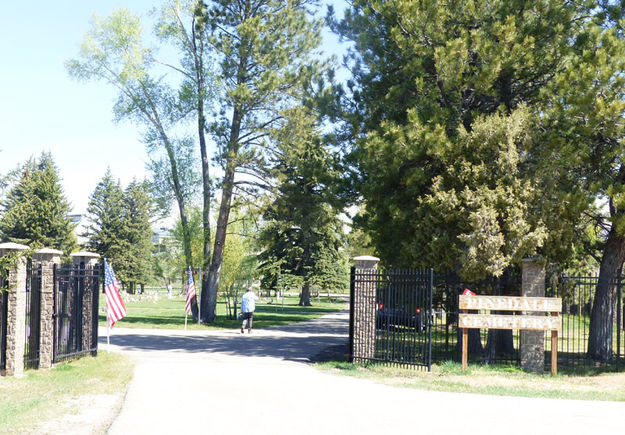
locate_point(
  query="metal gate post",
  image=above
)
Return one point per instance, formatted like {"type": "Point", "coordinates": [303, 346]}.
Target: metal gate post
{"type": "Point", "coordinates": [352, 277]}
{"type": "Point", "coordinates": [430, 317]}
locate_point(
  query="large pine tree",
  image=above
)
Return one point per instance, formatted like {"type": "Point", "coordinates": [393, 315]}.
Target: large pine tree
{"type": "Point", "coordinates": [36, 211]}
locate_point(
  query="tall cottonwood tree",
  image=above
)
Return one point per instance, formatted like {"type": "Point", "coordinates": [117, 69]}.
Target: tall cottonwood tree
{"type": "Point", "coordinates": [114, 52]}
{"type": "Point", "coordinates": [35, 210]}
{"type": "Point", "coordinates": [181, 24]}
{"type": "Point", "coordinates": [264, 50]}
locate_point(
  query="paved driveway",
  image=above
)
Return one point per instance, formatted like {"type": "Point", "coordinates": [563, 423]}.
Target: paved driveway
{"type": "Point", "coordinates": [225, 382]}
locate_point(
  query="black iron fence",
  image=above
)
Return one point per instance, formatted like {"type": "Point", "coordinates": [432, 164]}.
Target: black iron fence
{"type": "Point", "coordinates": [502, 347]}
{"type": "Point", "coordinates": [404, 335]}
{"type": "Point", "coordinates": [390, 312]}
{"type": "Point", "coordinates": [76, 299]}
{"type": "Point", "coordinates": [33, 316]}
{"type": "Point", "coordinates": [4, 303]}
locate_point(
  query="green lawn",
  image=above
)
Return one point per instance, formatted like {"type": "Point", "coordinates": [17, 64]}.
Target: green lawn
{"type": "Point", "coordinates": [163, 313]}
{"type": "Point", "coordinates": [42, 395]}
{"type": "Point", "coordinates": [493, 380]}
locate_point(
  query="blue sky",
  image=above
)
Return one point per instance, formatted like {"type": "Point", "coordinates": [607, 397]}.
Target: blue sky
{"type": "Point", "coordinates": [43, 109]}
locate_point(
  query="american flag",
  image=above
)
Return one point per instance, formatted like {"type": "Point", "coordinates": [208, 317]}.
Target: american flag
{"type": "Point", "coordinates": [115, 308]}
{"type": "Point", "coordinates": [190, 290]}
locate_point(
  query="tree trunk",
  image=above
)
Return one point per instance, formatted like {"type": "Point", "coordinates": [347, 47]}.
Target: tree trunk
{"type": "Point", "coordinates": [498, 340]}
{"type": "Point", "coordinates": [208, 316]}
{"type": "Point", "coordinates": [603, 308]}
{"type": "Point", "coordinates": [304, 297]}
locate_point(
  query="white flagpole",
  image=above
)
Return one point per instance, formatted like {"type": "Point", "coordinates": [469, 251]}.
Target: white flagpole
{"type": "Point", "coordinates": [185, 320]}
{"type": "Point", "coordinates": [197, 298]}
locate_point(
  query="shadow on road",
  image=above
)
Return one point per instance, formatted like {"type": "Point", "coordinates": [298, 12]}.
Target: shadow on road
{"type": "Point", "coordinates": [320, 339]}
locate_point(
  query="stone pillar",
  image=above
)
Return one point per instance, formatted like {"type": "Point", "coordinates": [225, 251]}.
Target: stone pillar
{"type": "Point", "coordinates": [16, 312]}
{"type": "Point", "coordinates": [532, 344]}
{"type": "Point", "coordinates": [47, 258]}
{"type": "Point", "coordinates": [365, 286]}
{"type": "Point", "coordinates": [84, 263]}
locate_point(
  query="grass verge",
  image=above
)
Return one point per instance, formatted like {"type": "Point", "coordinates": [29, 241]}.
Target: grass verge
{"type": "Point", "coordinates": [164, 313]}
{"type": "Point", "coordinates": [41, 395]}
{"type": "Point", "coordinates": [492, 380]}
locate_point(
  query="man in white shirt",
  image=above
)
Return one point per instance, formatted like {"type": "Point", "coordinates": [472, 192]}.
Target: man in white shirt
{"type": "Point", "coordinates": [248, 305]}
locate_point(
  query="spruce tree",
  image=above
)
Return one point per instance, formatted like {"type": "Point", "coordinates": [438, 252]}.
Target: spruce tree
{"type": "Point", "coordinates": [303, 234]}
{"type": "Point", "coordinates": [35, 211]}
{"type": "Point", "coordinates": [105, 221]}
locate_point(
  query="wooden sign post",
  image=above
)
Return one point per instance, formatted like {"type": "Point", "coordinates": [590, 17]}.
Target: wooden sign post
{"type": "Point", "coordinates": [512, 304]}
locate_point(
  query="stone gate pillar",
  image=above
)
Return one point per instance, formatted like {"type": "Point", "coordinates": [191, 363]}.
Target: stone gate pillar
{"type": "Point", "coordinates": [48, 258]}
{"type": "Point", "coordinates": [363, 307]}
{"type": "Point", "coordinates": [84, 263]}
{"type": "Point", "coordinates": [532, 343]}
{"type": "Point", "coordinates": [16, 312]}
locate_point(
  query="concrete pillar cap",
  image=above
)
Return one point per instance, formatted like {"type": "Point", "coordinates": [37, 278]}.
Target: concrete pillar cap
{"type": "Point", "coordinates": [49, 251]}
{"type": "Point", "coordinates": [13, 246]}
{"type": "Point", "coordinates": [366, 258]}
{"type": "Point", "coordinates": [85, 254]}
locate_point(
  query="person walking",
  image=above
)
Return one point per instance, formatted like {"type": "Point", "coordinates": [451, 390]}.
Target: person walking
{"type": "Point", "coordinates": [248, 305]}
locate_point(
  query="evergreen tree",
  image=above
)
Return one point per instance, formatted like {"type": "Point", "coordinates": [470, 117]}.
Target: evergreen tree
{"type": "Point", "coordinates": [119, 228]}
{"type": "Point", "coordinates": [105, 222]}
{"type": "Point", "coordinates": [35, 211]}
{"type": "Point", "coordinates": [303, 233]}
{"type": "Point", "coordinates": [444, 117]}
{"type": "Point", "coordinates": [139, 209]}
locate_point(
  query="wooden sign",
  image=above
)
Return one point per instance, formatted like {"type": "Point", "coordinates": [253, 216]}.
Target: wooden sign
{"type": "Point", "coordinates": [551, 323]}
{"type": "Point", "coordinates": [498, 321]}
{"type": "Point", "coordinates": [510, 303]}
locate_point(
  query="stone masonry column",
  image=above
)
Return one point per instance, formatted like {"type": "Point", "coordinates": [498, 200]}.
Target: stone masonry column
{"type": "Point", "coordinates": [532, 345]}
{"type": "Point", "coordinates": [16, 313]}
{"type": "Point", "coordinates": [365, 286]}
{"type": "Point", "coordinates": [47, 258]}
{"type": "Point", "coordinates": [85, 262]}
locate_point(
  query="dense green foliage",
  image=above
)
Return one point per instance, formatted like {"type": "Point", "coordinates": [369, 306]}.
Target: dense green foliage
{"type": "Point", "coordinates": [485, 131]}
{"type": "Point", "coordinates": [442, 114]}
{"type": "Point", "coordinates": [35, 211]}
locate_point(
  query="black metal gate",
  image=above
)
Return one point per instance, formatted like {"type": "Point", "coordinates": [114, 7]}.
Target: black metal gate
{"type": "Point", "coordinates": [4, 302]}
{"type": "Point", "coordinates": [76, 300]}
{"type": "Point", "coordinates": [390, 320]}
{"type": "Point", "coordinates": [33, 316]}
